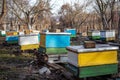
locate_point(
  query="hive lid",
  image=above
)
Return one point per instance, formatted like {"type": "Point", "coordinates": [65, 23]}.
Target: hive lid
{"type": "Point", "coordinates": [23, 35]}
{"type": "Point", "coordinates": [99, 47]}
{"type": "Point", "coordinates": [63, 33]}
{"type": "Point", "coordinates": [70, 29]}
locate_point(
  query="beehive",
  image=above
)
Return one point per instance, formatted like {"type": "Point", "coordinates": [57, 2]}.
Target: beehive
{"type": "Point", "coordinates": [72, 31]}
{"type": "Point", "coordinates": [108, 35]}
{"type": "Point", "coordinates": [97, 61]}
{"type": "Point", "coordinates": [11, 33]}
{"type": "Point", "coordinates": [12, 39]}
{"type": "Point", "coordinates": [3, 33]}
{"type": "Point", "coordinates": [94, 35]}
{"type": "Point", "coordinates": [28, 42]}
{"type": "Point", "coordinates": [54, 43]}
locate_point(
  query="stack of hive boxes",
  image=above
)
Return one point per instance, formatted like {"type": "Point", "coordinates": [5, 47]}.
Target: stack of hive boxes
{"type": "Point", "coordinates": [94, 35]}
{"type": "Point", "coordinates": [90, 62]}
{"type": "Point", "coordinates": [108, 35]}
{"type": "Point", "coordinates": [12, 37]}
{"type": "Point", "coordinates": [54, 43]}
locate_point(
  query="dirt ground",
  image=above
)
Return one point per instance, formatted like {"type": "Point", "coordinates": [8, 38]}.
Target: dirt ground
{"type": "Point", "coordinates": [12, 66]}
{"type": "Point", "coordinates": [15, 66]}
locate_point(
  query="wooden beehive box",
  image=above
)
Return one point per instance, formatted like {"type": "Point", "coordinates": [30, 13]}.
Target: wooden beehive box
{"type": "Point", "coordinates": [72, 31]}
{"type": "Point", "coordinates": [29, 41]}
{"type": "Point", "coordinates": [54, 43]}
{"type": "Point", "coordinates": [101, 60]}
{"type": "Point", "coordinates": [89, 44]}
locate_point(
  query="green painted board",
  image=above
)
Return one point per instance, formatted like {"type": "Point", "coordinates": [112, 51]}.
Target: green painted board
{"type": "Point", "coordinates": [73, 36]}
{"type": "Point", "coordinates": [92, 71]}
{"type": "Point", "coordinates": [2, 33]}
{"type": "Point", "coordinates": [53, 50]}
{"type": "Point", "coordinates": [96, 37]}
{"type": "Point", "coordinates": [12, 42]}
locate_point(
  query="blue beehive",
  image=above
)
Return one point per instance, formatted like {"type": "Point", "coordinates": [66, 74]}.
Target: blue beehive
{"type": "Point", "coordinates": [11, 39]}
{"type": "Point", "coordinates": [54, 42]}
{"type": "Point", "coordinates": [72, 31]}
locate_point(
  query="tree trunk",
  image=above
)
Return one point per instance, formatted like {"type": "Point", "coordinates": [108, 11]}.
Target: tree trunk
{"type": "Point", "coordinates": [119, 28]}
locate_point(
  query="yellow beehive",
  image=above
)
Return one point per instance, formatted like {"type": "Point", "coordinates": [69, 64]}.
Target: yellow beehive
{"type": "Point", "coordinates": [97, 58]}
{"type": "Point", "coordinates": [11, 33]}
{"type": "Point", "coordinates": [81, 57]}
{"type": "Point", "coordinates": [15, 33]}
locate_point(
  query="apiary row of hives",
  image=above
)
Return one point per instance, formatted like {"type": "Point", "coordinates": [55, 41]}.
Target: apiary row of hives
{"type": "Point", "coordinates": [108, 35]}
{"type": "Point", "coordinates": [26, 41]}
{"type": "Point", "coordinates": [87, 60]}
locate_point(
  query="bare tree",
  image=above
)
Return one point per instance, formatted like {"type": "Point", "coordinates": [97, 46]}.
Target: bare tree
{"type": "Point", "coordinates": [3, 11]}
{"type": "Point", "coordinates": [27, 14]}
{"type": "Point", "coordinates": [74, 16]}
{"type": "Point", "coordinates": [118, 10]}
{"type": "Point", "coordinates": [105, 9]}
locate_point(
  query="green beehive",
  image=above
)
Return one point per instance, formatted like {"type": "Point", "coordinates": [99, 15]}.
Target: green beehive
{"type": "Point", "coordinates": [94, 35]}
{"type": "Point", "coordinates": [2, 33]}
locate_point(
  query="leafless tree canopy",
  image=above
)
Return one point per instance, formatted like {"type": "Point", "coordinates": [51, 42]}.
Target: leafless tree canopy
{"type": "Point", "coordinates": [106, 9]}
{"type": "Point", "coordinates": [21, 14]}
{"type": "Point", "coordinates": [3, 11]}
{"type": "Point", "coordinates": [28, 14]}
{"type": "Point", "coordinates": [73, 16]}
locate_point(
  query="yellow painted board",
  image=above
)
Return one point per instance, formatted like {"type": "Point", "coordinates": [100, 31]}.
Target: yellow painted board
{"type": "Point", "coordinates": [97, 58]}
{"type": "Point", "coordinates": [15, 33]}
{"type": "Point", "coordinates": [89, 33]}
{"type": "Point", "coordinates": [110, 39]}
{"type": "Point", "coordinates": [11, 33]}
{"type": "Point", "coordinates": [43, 40]}
{"type": "Point", "coordinates": [28, 47]}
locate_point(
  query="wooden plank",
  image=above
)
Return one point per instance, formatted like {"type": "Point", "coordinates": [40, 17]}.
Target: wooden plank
{"type": "Point", "coordinates": [92, 71]}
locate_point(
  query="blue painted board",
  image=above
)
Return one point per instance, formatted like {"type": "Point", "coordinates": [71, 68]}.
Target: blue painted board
{"type": "Point", "coordinates": [39, 37]}
{"type": "Point", "coordinates": [103, 34]}
{"type": "Point", "coordinates": [11, 38]}
{"type": "Point", "coordinates": [57, 40]}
